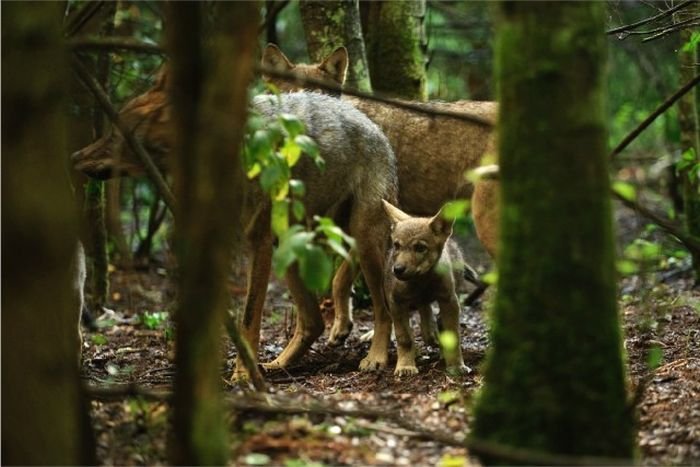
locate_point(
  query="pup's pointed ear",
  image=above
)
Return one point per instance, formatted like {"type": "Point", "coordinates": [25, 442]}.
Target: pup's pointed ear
{"type": "Point", "coordinates": [441, 226]}
{"type": "Point", "coordinates": [395, 214]}
{"type": "Point", "coordinates": [336, 64]}
{"type": "Point", "coordinates": [274, 58]}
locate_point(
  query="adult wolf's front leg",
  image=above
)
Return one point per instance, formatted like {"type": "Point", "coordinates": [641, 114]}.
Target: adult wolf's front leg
{"type": "Point", "coordinates": [371, 233]}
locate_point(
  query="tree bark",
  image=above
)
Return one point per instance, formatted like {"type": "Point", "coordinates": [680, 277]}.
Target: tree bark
{"type": "Point", "coordinates": [554, 378]}
{"type": "Point", "coordinates": [331, 24]}
{"type": "Point", "coordinates": [43, 414]}
{"type": "Point", "coordinates": [395, 43]}
{"type": "Point", "coordinates": [209, 91]}
{"type": "Point", "coordinates": [690, 146]}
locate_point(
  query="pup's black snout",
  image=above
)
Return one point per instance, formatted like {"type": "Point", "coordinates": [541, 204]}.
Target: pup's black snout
{"type": "Point", "coordinates": [399, 270]}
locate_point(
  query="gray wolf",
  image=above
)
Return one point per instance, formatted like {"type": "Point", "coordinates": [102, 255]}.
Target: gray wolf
{"type": "Point", "coordinates": [432, 152]}
{"type": "Point", "coordinates": [360, 171]}
{"type": "Point", "coordinates": [424, 267]}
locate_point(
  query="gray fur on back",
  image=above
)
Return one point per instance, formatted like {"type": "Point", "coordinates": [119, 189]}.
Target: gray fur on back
{"type": "Point", "coordinates": [359, 160]}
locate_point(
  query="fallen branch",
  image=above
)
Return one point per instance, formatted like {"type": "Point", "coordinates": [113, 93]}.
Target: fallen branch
{"type": "Point", "coordinates": [154, 174]}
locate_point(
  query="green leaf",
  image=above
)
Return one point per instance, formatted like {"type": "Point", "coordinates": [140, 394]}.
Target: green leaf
{"type": "Point", "coordinates": [292, 125]}
{"type": "Point", "coordinates": [315, 268]}
{"type": "Point", "coordinates": [654, 357]}
{"type": "Point", "coordinates": [98, 339]}
{"type": "Point", "coordinates": [256, 458]}
{"type": "Point", "coordinates": [280, 216]}
{"type": "Point", "coordinates": [291, 152]}
{"type": "Point", "coordinates": [448, 341]}
{"type": "Point", "coordinates": [449, 460]}
{"type": "Point", "coordinates": [490, 278]}
{"type": "Point", "coordinates": [297, 187]}
{"type": "Point", "coordinates": [626, 267]}
{"type": "Point", "coordinates": [455, 209]}
{"type": "Point", "coordinates": [271, 177]}
{"type": "Point", "coordinates": [308, 145]}
{"type": "Point", "coordinates": [448, 397]}
{"type": "Point", "coordinates": [624, 189]}
{"type": "Point", "coordinates": [337, 246]}
{"type": "Point", "coordinates": [298, 210]}
{"type": "Point", "coordinates": [692, 43]}
{"type": "Point", "coordinates": [292, 242]}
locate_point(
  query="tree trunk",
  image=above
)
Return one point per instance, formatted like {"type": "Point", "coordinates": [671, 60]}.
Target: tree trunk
{"type": "Point", "coordinates": [331, 24]}
{"type": "Point", "coordinates": [554, 378]}
{"type": "Point", "coordinates": [209, 90]}
{"type": "Point", "coordinates": [43, 415]}
{"type": "Point", "coordinates": [395, 43]}
{"type": "Point", "coordinates": [113, 220]}
{"type": "Point", "coordinates": [690, 147]}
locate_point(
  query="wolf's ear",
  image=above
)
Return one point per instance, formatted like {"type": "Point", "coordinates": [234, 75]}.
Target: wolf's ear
{"type": "Point", "coordinates": [336, 64]}
{"type": "Point", "coordinates": [274, 58]}
{"type": "Point", "coordinates": [441, 226]}
{"type": "Point", "coordinates": [395, 214]}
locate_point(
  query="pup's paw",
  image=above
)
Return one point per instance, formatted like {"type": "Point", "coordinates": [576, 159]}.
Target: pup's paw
{"type": "Point", "coordinates": [372, 364]}
{"type": "Point", "coordinates": [458, 370]}
{"type": "Point", "coordinates": [405, 370]}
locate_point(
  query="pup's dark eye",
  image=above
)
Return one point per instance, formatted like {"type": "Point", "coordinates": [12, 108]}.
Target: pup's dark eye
{"type": "Point", "coordinates": [397, 245]}
{"type": "Point", "coordinates": [420, 248]}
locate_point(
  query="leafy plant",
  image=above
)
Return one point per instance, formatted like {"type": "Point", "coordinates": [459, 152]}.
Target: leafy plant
{"type": "Point", "coordinates": [155, 320]}
{"type": "Point", "coordinates": [271, 150]}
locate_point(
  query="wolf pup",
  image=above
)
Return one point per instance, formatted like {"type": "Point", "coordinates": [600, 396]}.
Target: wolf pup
{"type": "Point", "coordinates": [424, 267]}
{"type": "Point", "coordinates": [360, 171]}
{"type": "Point", "coordinates": [432, 155]}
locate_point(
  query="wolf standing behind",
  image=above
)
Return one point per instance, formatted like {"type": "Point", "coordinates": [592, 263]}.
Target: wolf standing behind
{"type": "Point", "coordinates": [424, 268]}
{"type": "Point", "coordinates": [360, 171]}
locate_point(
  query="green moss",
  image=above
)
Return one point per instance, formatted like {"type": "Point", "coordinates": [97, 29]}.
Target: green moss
{"type": "Point", "coordinates": [554, 378]}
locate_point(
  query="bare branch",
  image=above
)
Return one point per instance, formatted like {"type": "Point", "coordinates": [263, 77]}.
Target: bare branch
{"type": "Point", "coordinates": [426, 109]}
{"type": "Point", "coordinates": [651, 19]}
{"type": "Point", "coordinates": [692, 22]}
{"type": "Point", "coordinates": [81, 18]}
{"type": "Point", "coordinates": [659, 110]}
{"type": "Point", "coordinates": [89, 81]}
{"type": "Point", "coordinates": [114, 43]}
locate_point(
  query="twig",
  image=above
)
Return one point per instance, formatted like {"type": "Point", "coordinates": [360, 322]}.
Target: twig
{"type": "Point", "coordinates": [659, 110]}
{"type": "Point", "coordinates": [133, 143]}
{"type": "Point", "coordinates": [244, 352]}
{"type": "Point", "coordinates": [664, 28]}
{"type": "Point", "coordinates": [650, 19]}
{"type": "Point", "coordinates": [112, 43]}
{"type": "Point", "coordinates": [415, 107]}
{"type": "Point", "coordinates": [82, 17]}
{"type": "Point", "coordinates": [674, 28]}
{"type": "Point", "coordinates": [690, 242]}
{"type": "Point", "coordinates": [272, 14]}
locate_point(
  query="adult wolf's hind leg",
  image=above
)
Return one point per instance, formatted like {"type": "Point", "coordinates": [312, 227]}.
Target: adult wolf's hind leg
{"type": "Point", "coordinates": [260, 242]}
{"type": "Point", "coordinates": [309, 325]}
{"type": "Point", "coordinates": [342, 321]}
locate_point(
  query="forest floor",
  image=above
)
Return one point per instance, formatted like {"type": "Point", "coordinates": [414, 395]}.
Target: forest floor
{"type": "Point", "coordinates": [325, 412]}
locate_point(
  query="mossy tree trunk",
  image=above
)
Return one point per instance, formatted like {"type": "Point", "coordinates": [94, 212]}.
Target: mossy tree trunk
{"type": "Point", "coordinates": [395, 43]}
{"type": "Point", "coordinates": [43, 414]}
{"type": "Point", "coordinates": [554, 377]}
{"type": "Point", "coordinates": [690, 145]}
{"type": "Point", "coordinates": [209, 90]}
{"type": "Point", "coordinates": [331, 24]}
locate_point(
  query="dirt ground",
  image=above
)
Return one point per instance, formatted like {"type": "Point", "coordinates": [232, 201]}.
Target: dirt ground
{"type": "Point", "coordinates": [330, 414]}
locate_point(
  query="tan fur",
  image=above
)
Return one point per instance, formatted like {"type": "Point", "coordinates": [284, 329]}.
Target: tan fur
{"type": "Point", "coordinates": [359, 171]}
{"type": "Point", "coordinates": [433, 153]}
{"type": "Point", "coordinates": [422, 269]}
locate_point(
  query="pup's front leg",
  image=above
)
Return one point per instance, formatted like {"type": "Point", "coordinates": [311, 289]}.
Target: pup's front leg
{"type": "Point", "coordinates": [449, 314]}
{"type": "Point", "coordinates": [405, 347]}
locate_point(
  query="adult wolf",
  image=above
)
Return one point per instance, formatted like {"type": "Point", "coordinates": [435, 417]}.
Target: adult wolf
{"type": "Point", "coordinates": [360, 170]}
{"type": "Point", "coordinates": [432, 154]}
